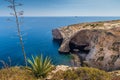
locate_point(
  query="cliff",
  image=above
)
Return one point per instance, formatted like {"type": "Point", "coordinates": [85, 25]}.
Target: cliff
{"type": "Point", "coordinates": [96, 43]}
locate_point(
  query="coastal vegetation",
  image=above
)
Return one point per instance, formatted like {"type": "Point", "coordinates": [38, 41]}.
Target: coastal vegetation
{"type": "Point", "coordinates": [16, 73]}
{"type": "Point", "coordinates": [83, 73]}
{"type": "Point", "coordinates": [17, 14]}
{"type": "Point", "coordinates": [88, 41]}
{"type": "Point", "coordinates": [40, 66]}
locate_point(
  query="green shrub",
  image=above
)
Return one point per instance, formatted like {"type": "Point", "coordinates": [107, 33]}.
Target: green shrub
{"type": "Point", "coordinates": [71, 75]}
{"type": "Point", "coordinates": [83, 73]}
{"type": "Point", "coordinates": [92, 74]}
{"type": "Point", "coordinates": [39, 66]}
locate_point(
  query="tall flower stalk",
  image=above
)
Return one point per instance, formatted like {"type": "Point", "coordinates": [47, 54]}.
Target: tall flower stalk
{"type": "Point", "coordinates": [13, 5]}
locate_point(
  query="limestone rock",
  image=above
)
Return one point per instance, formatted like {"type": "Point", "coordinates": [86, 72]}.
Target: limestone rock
{"type": "Point", "coordinates": [101, 46]}
{"type": "Point", "coordinates": [99, 42]}
{"type": "Point", "coordinates": [57, 34]}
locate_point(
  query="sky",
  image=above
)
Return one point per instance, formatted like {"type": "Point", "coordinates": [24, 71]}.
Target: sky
{"type": "Point", "coordinates": [65, 7]}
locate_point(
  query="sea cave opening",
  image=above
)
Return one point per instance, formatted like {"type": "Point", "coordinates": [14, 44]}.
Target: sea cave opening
{"type": "Point", "coordinates": [79, 50]}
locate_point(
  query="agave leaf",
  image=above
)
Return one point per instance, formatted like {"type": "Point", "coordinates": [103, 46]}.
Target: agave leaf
{"type": "Point", "coordinates": [47, 63]}
{"type": "Point", "coordinates": [41, 60]}
{"type": "Point", "coordinates": [40, 66]}
{"type": "Point", "coordinates": [31, 63]}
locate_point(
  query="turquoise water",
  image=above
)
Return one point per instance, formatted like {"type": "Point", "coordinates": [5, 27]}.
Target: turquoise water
{"type": "Point", "coordinates": [37, 37]}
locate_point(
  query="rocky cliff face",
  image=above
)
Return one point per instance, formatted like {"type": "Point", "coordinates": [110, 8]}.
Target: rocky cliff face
{"type": "Point", "coordinates": [99, 42]}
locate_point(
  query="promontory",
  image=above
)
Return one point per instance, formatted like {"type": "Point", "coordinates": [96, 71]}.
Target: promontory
{"type": "Point", "coordinates": [97, 43]}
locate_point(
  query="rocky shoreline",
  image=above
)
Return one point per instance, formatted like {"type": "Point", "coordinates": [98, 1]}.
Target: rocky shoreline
{"type": "Point", "coordinates": [96, 43]}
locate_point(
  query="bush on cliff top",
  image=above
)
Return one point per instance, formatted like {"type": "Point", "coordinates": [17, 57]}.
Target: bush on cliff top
{"type": "Point", "coordinates": [83, 73]}
{"type": "Point", "coordinates": [16, 73]}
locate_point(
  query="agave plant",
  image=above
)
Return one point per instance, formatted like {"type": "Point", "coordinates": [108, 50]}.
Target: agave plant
{"type": "Point", "coordinates": [40, 66]}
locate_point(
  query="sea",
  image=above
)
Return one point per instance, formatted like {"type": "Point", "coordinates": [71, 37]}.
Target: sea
{"type": "Point", "coordinates": [37, 38]}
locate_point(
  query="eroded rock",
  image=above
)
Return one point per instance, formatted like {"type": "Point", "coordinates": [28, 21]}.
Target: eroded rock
{"type": "Point", "coordinates": [102, 48]}
{"type": "Point", "coordinates": [99, 42]}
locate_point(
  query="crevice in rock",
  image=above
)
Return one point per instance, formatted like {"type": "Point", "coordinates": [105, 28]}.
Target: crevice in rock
{"type": "Point", "coordinates": [80, 51]}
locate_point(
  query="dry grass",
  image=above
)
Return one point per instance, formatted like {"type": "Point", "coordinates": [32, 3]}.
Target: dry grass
{"type": "Point", "coordinates": [83, 73]}
{"type": "Point", "coordinates": [16, 73]}
{"type": "Point", "coordinates": [20, 73]}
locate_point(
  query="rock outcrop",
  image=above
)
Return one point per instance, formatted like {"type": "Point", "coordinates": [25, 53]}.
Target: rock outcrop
{"type": "Point", "coordinates": [97, 43]}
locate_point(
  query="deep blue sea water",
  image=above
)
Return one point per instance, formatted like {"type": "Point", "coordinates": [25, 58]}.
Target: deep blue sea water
{"type": "Point", "coordinates": [37, 37]}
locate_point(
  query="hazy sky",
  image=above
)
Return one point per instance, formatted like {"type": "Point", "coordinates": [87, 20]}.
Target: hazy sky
{"type": "Point", "coordinates": [66, 7]}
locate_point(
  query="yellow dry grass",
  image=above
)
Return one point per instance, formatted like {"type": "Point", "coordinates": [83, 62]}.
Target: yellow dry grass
{"type": "Point", "coordinates": [16, 73]}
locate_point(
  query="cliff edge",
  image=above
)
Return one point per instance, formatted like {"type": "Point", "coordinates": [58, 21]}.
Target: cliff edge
{"type": "Point", "coordinates": [96, 43]}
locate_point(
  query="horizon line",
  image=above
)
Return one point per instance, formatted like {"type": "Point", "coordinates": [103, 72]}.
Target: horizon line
{"type": "Point", "coordinates": [62, 16]}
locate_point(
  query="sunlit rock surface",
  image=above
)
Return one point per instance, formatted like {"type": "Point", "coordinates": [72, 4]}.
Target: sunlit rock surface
{"type": "Point", "coordinates": [97, 43]}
